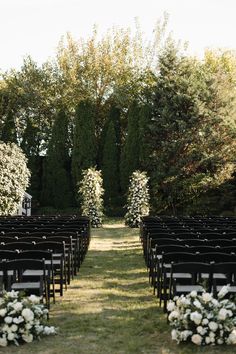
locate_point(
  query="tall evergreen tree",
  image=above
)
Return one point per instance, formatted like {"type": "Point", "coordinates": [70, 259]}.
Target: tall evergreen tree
{"type": "Point", "coordinates": [130, 153]}
{"type": "Point", "coordinates": [57, 181]}
{"type": "Point", "coordinates": [9, 129]}
{"type": "Point", "coordinates": [84, 152]}
{"type": "Point", "coordinates": [110, 166]}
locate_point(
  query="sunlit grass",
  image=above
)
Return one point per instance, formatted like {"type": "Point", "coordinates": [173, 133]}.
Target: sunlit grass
{"type": "Point", "coordinates": [109, 308]}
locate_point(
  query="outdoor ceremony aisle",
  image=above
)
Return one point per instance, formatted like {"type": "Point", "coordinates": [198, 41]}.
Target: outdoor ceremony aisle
{"type": "Point", "coordinates": [109, 307]}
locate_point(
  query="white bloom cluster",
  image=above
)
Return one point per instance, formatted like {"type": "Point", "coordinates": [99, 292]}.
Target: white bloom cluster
{"type": "Point", "coordinates": [91, 192]}
{"type": "Point", "coordinates": [202, 319]}
{"type": "Point", "coordinates": [138, 199]}
{"type": "Point", "coordinates": [14, 177]}
{"type": "Point", "coordinates": [22, 319]}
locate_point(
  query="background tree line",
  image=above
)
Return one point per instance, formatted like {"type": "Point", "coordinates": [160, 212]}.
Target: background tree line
{"type": "Point", "coordinates": [121, 104]}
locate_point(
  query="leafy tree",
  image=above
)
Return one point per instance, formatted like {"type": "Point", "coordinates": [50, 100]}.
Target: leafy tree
{"type": "Point", "coordinates": [138, 199]}
{"type": "Point", "coordinates": [57, 182]}
{"type": "Point", "coordinates": [84, 153]}
{"type": "Point", "coordinates": [91, 195]}
{"type": "Point", "coordinates": [191, 140]}
{"type": "Point", "coordinates": [14, 177]}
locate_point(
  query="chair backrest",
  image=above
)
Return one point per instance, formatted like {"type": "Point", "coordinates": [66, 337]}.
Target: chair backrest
{"type": "Point", "coordinates": [16, 264]}
{"type": "Point", "coordinates": [8, 254]}
{"type": "Point", "coordinates": [215, 257]}
{"type": "Point", "coordinates": [177, 257]}
{"type": "Point", "coordinates": [19, 246]}
{"type": "Point", "coordinates": [35, 254]}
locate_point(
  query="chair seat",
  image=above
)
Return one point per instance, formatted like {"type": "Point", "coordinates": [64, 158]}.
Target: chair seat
{"type": "Point", "coordinates": [215, 276]}
{"type": "Point", "coordinates": [26, 285]}
{"type": "Point", "coordinates": [188, 288]}
{"type": "Point", "coordinates": [179, 275]}
{"type": "Point", "coordinates": [36, 273]}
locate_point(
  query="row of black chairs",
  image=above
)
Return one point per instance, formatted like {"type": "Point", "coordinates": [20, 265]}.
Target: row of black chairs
{"type": "Point", "coordinates": [67, 247]}
{"type": "Point", "coordinates": [165, 251]}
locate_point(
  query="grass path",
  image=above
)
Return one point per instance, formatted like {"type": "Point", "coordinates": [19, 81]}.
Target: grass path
{"type": "Point", "coordinates": [109, 308]}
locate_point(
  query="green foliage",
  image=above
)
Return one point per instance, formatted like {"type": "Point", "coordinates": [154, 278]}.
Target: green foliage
{"type": "Point", "coordinates": [91, 194]}
{"type": "Point", "coordinates": [111, 159]}
{"type": "Point", "coordinates": [130, 152]}
{"type": "Point", "coordinates": [138, 199]}
{"type": "Point", "coordinates": [9, 129]}
{"type": "Point", "coordinates": [84, 151]}
{"type": "Point", "coordinates": [14, 177]}
{"type": "Point", "coordinates": [57, 188]}
{"type": "Point", "coordinates": [192, 135]}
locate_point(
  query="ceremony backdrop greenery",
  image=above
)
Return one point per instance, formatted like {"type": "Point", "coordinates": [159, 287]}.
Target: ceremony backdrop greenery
{"type": "Point", "coordinates": [121, 104]}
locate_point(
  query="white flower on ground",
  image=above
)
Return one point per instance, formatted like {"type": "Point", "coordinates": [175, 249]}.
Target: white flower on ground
{"type": "Point", "coordinates": [193, 293]}
{"type": "Point", "coordinates": [3, 312]}
{"type": "Point", "coordinates": [173, 315]}
{"type": "Point", "coordinates": [3, 342]}
{"type": "Point", "coordinates": [196, 317]}
{"type": "Point", "coordinates": [232, 337]}
{"type": "Point", "coordinates": [201, 330]}
{"type": "Point", "coordinates": [196, 339]}
{"type": "Point", "coordinates": [18, 306]}
{"type": "Point", "coordinates": [34, 299]}
{"type": "Point", "coordinates": [185, 335]}
{"type": "Point", "coordinates": [28, 338]}
{"type": "Point", "coordinates": [27, 314]}
{"type": "Point", "coordinates": [213, 326]}
{"type": "Point", "coordinates": [10, 336]}
{"type": "Point", "coordinates": [206, 297]}
{"type": "Point", "coordinates": [18, 320]}
{"type": "Point", "coordinates": [170, 306]}
{"type": "Point", "coordinates": [205, 321]}
{"type": "Point", "coordinates": [49, 330]}
{"type": "Point", "coordinates": [208, 340]}
{"type": "Point", "coordinates": [222, 314]}
{"type": "Point", "coordinates": [8, 319]}
{"type": "Point", "coordinates": [174, 334]}
{"type": "Point", "coordinates": [14, 328]}
{"type": "Point", "coordinates": [197, 304]}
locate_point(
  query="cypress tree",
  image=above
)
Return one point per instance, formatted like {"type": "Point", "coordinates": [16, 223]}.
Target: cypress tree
{"type": "Point", "coordinates": [130, 152]}
{"type": "Point", "coordinates": [84, 150]}
{"type": "Point", "coordinates": [110, 166]}
{"type": "Point", "coordinates": [56, 177]}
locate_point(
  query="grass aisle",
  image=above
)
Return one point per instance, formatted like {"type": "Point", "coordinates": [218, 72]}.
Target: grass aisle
{"type": "Point", "coordinates": [110, 308]}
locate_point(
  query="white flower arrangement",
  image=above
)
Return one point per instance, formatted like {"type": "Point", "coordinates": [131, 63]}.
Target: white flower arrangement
{"type": "Point", "coordinates": [14, 177]}
{"type": "Point", "coordinates": [202, 319]}
{"type": "Point", "coordinates": [22, 319]}
{"type": "Point", "coordinates": [91, 191]}
{"type": "Point", "coordinates": [138, 199]}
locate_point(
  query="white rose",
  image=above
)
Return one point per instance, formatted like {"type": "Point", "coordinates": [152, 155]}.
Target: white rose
{"type": "Point", "coordinates": [232, 337]}
{"type": "Point", "coordinates": [173, 315]}
{"type": "Point", "coordinates": [197, 304]}
{"type": "Point", "coordinates": [3, 342]}
{"type": "Point", "coordinates": [206, 297]}
{"type": "Point", "coordinates": [34, 299]}
{"type": "Point", "coordinates": [174, 334]}
{"type": "Point", "coordinates": [10, 336]}
{"type": "Point", "coordinates": [193, 293]}
{"type": "Point", "coordinates": [201, 330]}
{"type": "Point", "coordinates": [185, 334]}
{"type": "Point", "coordinates": [196, 339]}
{"type": "Point", "coordinates": [8, 319]}
{"type": "Point", "coordinates": [205, 321]}
{"type": "Point", "coordinates": [27, 314]}
{"type": "Point", "coordinates": [18, 320]}
{"type": "Point", "coordinates": [14, 328]}
{"type": "Point", "coordinates": [170, 306]}
{"type": "Point", "coordinates": [222, 314]}
{"type": "Point", "coordinates": [220, 341]}
{"type": "Point", "coordinates": [49, 330]}
{"type": "Point", "coordinates": [213, 326]}
{"type": "Point", "coordinates": [28, 338]}
{"type": "Point", "coordinates": [208, 340]}
{"type": "Point", "coordinates": [3, 312]}
{"type": "Point", "coordinates": [196, 317]}
{"type": "Point", "coordinates": [17, 306]}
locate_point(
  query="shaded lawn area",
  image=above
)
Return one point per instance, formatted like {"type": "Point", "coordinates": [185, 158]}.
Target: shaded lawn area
{"type": "Point", "coordinates": [109, 307]}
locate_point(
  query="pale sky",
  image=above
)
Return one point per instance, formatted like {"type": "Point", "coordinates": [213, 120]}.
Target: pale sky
{"type": "Point", "coordinates": [34, 27]}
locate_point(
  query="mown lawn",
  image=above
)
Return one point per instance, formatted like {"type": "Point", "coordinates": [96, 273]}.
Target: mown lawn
{"type": "Point", "coordinates": [109, 307]}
